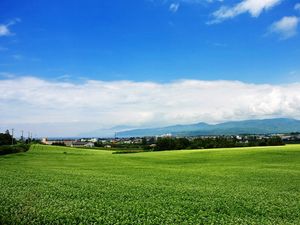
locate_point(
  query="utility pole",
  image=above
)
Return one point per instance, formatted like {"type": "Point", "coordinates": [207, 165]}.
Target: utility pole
{"type": "Point", "coordinates": [12, 136]}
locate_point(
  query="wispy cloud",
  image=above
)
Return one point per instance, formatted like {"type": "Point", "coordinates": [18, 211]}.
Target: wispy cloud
{"type": "Point", "coordinates": [174, 7]}
{"type": "Point", "coordinates": [17, 57]}
{"type": "Point", "coordinates": [297, 7]}
{"type": "Point", "coordinates": [285, 27]}
{"type": "Point", "coordinates": [7, 75]}
{"type": "Point", "coordinates": [199, 1]}
{"type": "Point", "coordinates": [4, 28]}
{"type": "Point", "coordinates": [253, 7]}
{"type": "Point", "coordinates": [64, 77]}
{"type": "Point", "coordinates": [32, 100]}
{"type": "Point", "coordinates": [2, 49]}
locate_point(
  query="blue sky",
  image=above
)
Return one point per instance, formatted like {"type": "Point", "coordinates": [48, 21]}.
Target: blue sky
{"type": "Point", "coordinates": [145, 40]}
{"type": "Point", "coordinates": [72, 67]}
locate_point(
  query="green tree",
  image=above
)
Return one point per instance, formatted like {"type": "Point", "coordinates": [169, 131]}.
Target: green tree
{"type": "Point", "coordinates": [5, 138]}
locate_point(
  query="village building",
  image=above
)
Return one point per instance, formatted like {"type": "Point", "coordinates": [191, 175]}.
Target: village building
{"type": "Point", "coordinates": [82, 144]}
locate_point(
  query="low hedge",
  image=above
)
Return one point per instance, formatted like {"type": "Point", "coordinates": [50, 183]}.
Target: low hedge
{"type": "Point", "coordinates": [9, 149]}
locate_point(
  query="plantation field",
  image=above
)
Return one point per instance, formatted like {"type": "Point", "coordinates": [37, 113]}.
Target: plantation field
{"type": "Point", "coordinates": [59, 185]}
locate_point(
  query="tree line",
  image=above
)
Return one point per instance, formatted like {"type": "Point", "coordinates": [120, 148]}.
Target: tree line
{"type": "Point", "coordinates": [167, 143]}
{"type": "Point", "coordinates": [9, 145]}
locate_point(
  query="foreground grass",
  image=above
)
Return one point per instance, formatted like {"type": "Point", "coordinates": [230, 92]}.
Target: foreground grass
{"type": "Point", "coordinates": [58, 185]}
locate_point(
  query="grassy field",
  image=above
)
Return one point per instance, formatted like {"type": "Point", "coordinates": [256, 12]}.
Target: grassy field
{"type": "Point", "coordinates": [59, 185]}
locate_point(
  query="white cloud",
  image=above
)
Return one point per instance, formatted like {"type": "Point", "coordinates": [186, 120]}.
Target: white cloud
{"type": "Point", "coordinates": [297, 7]}
{"type": "Point", "coordinates": [4, 28]}
{"type": "Point", "coordinates": [74, 108]}
{"type": "Point", "coordinates": [254, 7]}
{"type": "Point", "coordinates": [174, 7]}
{"type": "Point", "coordinates": [285, 27]}
{"type": "Point", "coordinates": [4, 31]}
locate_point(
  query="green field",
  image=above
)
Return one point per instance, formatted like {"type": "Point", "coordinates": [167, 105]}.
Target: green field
{"type": "Point", "coordinates": [59, 185]}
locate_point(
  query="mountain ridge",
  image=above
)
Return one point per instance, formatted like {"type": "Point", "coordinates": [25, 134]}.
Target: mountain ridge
{"type": "Point", "coordinates": [257, 126]}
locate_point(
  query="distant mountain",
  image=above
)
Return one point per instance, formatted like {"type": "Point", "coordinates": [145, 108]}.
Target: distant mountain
{"type": "Point", "coordinates": [265, 126]}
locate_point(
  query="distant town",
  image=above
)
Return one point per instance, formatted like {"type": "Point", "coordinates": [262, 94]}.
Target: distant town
{"type": "Point", "coordinates": [151, 141]}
